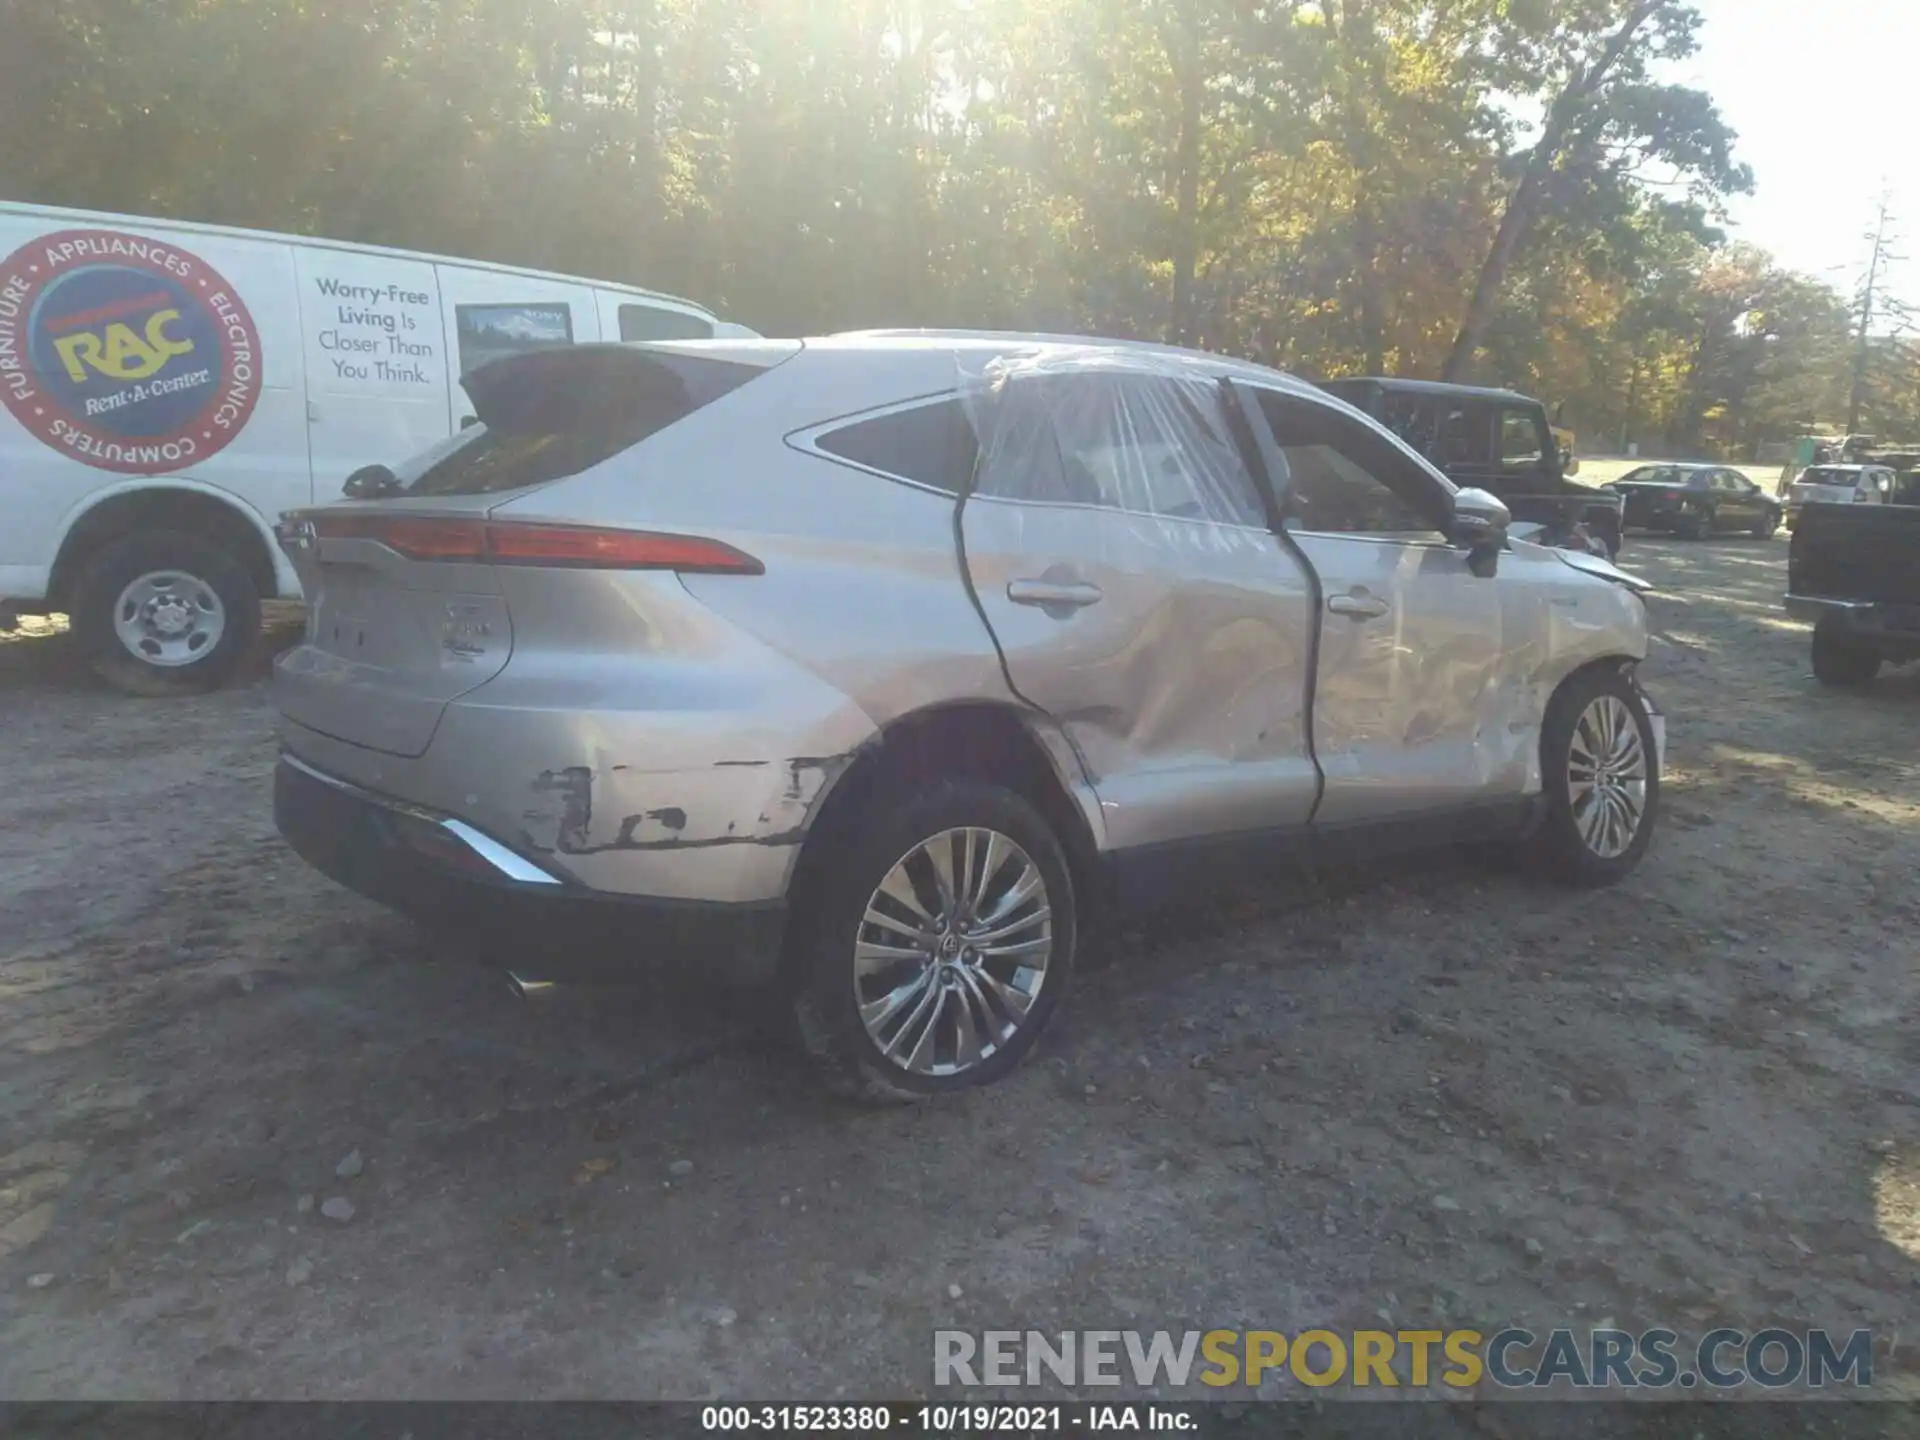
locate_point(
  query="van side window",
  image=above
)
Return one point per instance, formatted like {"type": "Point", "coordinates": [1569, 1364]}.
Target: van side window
{"type": "Point", "coordinates": [931, 444]}
{"type": "Point", "coordinates": [649, 322]}
{"type": "Point", "coordinates": [489, 332]}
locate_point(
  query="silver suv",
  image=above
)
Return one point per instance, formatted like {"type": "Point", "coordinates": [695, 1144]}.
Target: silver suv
{"type": "Point", "coordinates": [883, 665]}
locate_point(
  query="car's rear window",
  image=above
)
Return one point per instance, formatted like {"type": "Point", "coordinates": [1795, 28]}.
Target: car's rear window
{"type": "Point", "coordinates": [555, 413]}
{"type": "Point", "coordinates": [1830, 477]}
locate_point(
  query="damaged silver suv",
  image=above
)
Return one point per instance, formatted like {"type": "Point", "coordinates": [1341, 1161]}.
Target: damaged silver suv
{"type": "Point", "coordinates": [880, 666]}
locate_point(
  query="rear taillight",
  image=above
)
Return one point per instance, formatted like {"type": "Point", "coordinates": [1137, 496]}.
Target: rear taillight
{"type": "Point", "coordinates": [580, 547]}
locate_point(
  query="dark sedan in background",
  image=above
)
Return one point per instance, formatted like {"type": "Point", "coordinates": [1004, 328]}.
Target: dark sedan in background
{"type": "Point", "coordinates": [1694, 501]}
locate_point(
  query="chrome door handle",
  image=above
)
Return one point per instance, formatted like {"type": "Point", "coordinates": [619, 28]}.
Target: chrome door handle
{"type": "Point", "coordinates": [1051, 593]}
{"type": "Point", "coordinates": [1357, 607]}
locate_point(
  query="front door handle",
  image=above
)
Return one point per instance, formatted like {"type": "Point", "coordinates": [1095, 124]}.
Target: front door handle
{"type": "Point", "coordinates": [1053, 594]}
{"type": "Point", "coordinates": [1357, 607]}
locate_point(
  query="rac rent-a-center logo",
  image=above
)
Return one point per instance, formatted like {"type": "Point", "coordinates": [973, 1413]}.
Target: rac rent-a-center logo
{"type": "Point", "coordinates": [126, 353]}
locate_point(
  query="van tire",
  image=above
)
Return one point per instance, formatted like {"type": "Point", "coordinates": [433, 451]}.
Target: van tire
{"type": "Point", "coordinates": [824, 994]}
{"type": "Point", "coordinates": [201, 566]}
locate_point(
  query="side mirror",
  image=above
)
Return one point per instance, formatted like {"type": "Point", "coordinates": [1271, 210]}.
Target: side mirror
{"type": "Point", "coordinates": [1479, 519]}
{"type": "Point", "coordinates": [1480, 522]}
{"type": "Point", "coordinates": [371, 482]}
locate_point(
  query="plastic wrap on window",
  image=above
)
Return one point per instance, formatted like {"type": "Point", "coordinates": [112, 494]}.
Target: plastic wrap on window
{"type": "Point", "coordinates": [1139, 438]}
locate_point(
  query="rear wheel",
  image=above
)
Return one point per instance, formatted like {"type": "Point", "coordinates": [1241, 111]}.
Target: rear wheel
{"type": "Point", "coordinates": [164, 613]}
{"type": "Point", "coordinates": [1602, 780]}
{"type": "Point", "coordinates": [1767, 526]}
{"type": "Point", "coordinates": [941, 940]}
{"type": "Point", "coordinates": [1840, 662]}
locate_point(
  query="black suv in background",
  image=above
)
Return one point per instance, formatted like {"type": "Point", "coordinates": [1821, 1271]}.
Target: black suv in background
{"type": "Point", "coordinates": [1494, 440]}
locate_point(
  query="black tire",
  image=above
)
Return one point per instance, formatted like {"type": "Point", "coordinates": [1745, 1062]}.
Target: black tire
{"type": "Point", "coordinates": [826, 1006]}
{"type": "Point", "coordinates": [98, 589]}
{"type": "Point", "coordinates": [1767, 526]}
{"type": "Point", "coordinates": [1560, 848]}
{"type": "Point", "coordinates": [1840, 663]}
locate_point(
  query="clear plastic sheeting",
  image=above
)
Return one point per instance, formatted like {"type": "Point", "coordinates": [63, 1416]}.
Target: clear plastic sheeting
{"type": "Point", "coordinates": [1140, 437]}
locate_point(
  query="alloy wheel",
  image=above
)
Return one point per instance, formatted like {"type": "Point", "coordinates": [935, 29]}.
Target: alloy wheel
{"type": "Point", "coordinates": [1607, 777]}
{"type": "Point", "coordinates": [952, 951]}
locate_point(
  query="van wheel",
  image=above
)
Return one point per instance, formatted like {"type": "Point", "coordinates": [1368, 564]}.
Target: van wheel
{"type": "Point", "coordinates": [1838, 662]}
{"type": "Point", "coordinates": [941, 942]}
{"type": "Point", "coordinates": [1602, 781]}
{"type": "Point", "coordinates": [165, 613]}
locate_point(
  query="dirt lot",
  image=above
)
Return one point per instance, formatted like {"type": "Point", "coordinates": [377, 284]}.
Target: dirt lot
{"type": "Point", "coordinates": [1436, 1096]}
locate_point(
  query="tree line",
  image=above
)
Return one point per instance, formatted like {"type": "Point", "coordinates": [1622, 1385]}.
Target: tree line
{"type": "Point", "coordinates": [1492, 190]}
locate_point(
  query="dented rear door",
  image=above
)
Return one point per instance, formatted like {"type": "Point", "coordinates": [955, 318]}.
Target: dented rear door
{"type": "Point", "coordinates": [1121, 558]}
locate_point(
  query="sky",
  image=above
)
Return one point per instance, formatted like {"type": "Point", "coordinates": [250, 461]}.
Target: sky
{"type": "Point", "coordinates": [1822, 94]}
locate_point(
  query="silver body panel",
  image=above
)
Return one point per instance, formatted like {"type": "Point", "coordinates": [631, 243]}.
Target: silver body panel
{"type": "Point", "coordinates": [647, 733]}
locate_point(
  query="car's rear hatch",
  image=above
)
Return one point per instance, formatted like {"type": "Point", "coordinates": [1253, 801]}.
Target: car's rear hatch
{"type": "Point", "coordinates": [1826, 487]}
{"type": "Point", "coordinates": [405, 608]}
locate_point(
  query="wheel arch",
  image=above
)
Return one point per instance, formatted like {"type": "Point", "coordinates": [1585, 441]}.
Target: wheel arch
{"type": "Point", "coordinates": [984, 740]}
{"type": "Point", "coordinates": [175, 504]}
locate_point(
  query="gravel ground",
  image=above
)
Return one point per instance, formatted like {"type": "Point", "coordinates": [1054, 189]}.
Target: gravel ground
{"type": "Point", "coordinates": [259, 1142]}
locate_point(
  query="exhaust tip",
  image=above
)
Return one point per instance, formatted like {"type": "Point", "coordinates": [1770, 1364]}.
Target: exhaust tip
{"type": "Point", "coordinates": [528, 989]}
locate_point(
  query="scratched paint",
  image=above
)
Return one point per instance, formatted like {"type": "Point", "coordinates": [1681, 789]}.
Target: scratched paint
{"type": "Point", "coordinates": [582, 823]}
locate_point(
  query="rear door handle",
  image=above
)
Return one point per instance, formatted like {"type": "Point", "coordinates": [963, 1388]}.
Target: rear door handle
{"type": "Point", "coordinates": [1052, 594]}
{"type": "Point", "coordinates": [1357, 607]}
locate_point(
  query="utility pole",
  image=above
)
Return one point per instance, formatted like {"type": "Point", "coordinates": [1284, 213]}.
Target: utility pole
{"type": "Point", "coordinates": [1863, 342]}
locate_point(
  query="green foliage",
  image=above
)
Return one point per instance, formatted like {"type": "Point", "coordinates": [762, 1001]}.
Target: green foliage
{"type": "Point", "coordinates": [1317, 183]}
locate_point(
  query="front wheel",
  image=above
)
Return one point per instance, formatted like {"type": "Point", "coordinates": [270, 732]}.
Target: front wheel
{"type": "Point", "coordinates": [165, 613]}
{"type": "Point", "coordinates": [1601, 773]}
{"type": "Point", "coordinates": [942, 939]}
{"type": "Point", "coordinates": [1839, 662]}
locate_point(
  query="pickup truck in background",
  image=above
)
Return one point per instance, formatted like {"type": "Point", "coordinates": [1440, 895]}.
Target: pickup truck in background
{"type": "Point", "coordinates": [1854, 570]}
{"type": "Point", "coordinates": [1498, 441]}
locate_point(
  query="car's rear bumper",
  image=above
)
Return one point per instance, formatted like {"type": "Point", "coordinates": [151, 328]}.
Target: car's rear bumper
{"type": "Point", "coordinates": [1890, 630]}
{"type": "Point", "coordinates": [449, 874]}
{"type": "Point", "coordinates": [1819, 607]}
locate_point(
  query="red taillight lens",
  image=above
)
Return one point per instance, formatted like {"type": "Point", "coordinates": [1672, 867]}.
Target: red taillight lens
{"type": "Point", "coordinates": [597, 549]}
{"type": "Point", "coordinates": [562, 546]}
{"type": "Point", "coordinates": [418, 537]}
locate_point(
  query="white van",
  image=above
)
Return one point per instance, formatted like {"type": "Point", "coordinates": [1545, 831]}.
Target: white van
{"type": "Point", "coordinates": [168, 389]}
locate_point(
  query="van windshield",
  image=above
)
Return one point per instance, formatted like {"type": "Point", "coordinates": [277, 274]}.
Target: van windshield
{"type": "Point", "coordinates": [546, 415]}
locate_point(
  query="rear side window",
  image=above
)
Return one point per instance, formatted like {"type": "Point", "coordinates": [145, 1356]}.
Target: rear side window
{"type": "Point", "coordinates": [1119, 440]}
{"type": "Point", "coordinates": [931, 444]}
{"type": "Point", "coordinates": [546, 416]}
{"type": "Point", "coordinates": [648, 322]}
